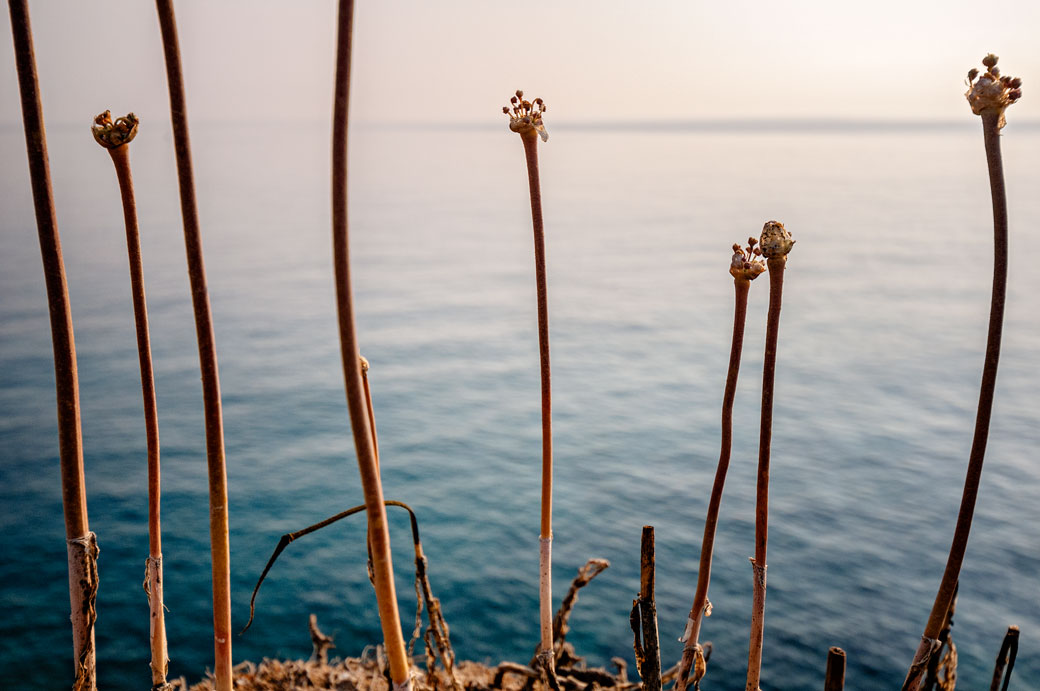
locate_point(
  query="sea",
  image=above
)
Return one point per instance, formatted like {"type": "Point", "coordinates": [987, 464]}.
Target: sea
{"type": "Point", "coordinates": [882, 336]}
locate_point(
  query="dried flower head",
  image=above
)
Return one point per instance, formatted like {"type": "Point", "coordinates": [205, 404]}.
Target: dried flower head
{"type": "Point", "coordinates": [991, 92]}
{"type": "Point", "coordinates": [776, 241]}
{"type": "Point", "coordinates": [746, 264]}
{"type": "Point", "coordinates": [112, 135]}
{"type": "Point", "coordinates": [525, 117]}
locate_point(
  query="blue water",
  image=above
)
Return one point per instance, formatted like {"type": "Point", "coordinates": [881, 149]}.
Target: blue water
{"type": "Point", "coordinates": [882, 336]}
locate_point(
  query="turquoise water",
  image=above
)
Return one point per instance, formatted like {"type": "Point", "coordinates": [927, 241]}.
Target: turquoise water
{"type": "Point", "coordinates": [881, 345]}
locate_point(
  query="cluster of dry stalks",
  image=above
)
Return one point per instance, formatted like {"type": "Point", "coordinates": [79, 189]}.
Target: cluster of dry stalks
{"type": "Point", "coordinates": [555, 663]}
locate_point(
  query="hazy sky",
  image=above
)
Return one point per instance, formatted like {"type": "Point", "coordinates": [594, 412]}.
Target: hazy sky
{"type": "Point", "coordinates": [457, 61]}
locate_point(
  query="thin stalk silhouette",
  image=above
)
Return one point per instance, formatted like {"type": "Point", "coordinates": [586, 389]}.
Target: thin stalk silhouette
{"type": "Point", "coordinates": [115, 137]}
{"type": "Point", "coordinates": [775, 244]}
{"type": "Point", "coordinates": [989, 95]}
{"type": "Point", "coordinates": [525, 118]}
{"type": "Point", "coordinates": [220, 549]}
{"type": "Point", "coordinates": [744, 267]}
{"type": "Point", "coordinates": [81, 542]}
{"type": "Point", "coordinates": [364, 441]}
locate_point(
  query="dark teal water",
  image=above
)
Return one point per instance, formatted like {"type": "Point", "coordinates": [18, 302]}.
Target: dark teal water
{"type": "Point", "coordinates": [881, 347]}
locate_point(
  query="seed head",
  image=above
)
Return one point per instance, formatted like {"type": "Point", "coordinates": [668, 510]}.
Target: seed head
{"type": "Point", "coordinates": [990, 92]}
{"type": "Point", "coordinates": [113, 135]}
{"type": "Point", "coordinates": [745, 264]}
{"type": "Point", "coordinates": [776, 241]}
{"type": "Point", "coordinates": [525, 118]}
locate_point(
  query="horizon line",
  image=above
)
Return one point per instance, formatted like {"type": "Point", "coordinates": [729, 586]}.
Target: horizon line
{"type": "Point", "coordinates": [664, 125]}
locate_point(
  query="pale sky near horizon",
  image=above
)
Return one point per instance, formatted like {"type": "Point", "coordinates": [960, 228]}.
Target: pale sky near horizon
{"type": "Point", "coordinates": [458, 61]}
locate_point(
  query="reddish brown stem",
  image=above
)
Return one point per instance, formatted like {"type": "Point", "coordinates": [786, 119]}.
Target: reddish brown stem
{"type": "Point", "coordinates": [66, 380]}
{"type": "Point", "coordinates": [834, 678]}
{"type": "Point", "coordinates": [153, 567]}
{"type": "Point", "coordinates": [776, 267]}
{"type": "Point", "coordinates": [218, 503]}
{"type": "Point", "coordinates": [1005, 660]}
{"type": "Point", "coordinates": [700, 599]}
{"type": "Point", "coordinates": [530, 140]}
{"type": "Point", "coordinates": [948, 585]}
{"type": "Point", "coordinates": [368, 466]}
{"type": "Point", "coordinates": [650, 670]}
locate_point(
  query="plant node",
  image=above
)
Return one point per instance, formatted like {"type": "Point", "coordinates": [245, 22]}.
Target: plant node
{"type": "Point", "coordinates": [991, 92]}
{"type": "Point", "coordinates": [746, 264]}
{"type": "Point", "coordinates": [525, 117]}
{"type": "Point", "coordinates": [113, 135]}
{"type": "Point", "coordinates": [776, 241]}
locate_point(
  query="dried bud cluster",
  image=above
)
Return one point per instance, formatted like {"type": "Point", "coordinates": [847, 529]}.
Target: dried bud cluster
{"type": "Point", "coordinates": [992, 92]}
{"type": "Point", "coordinates": [746, 264]}
{"type": "Point", "coordinates": [113, 135]}
{"type": "Point", "coordinates": [776, 242]}
{"type": "Point", "coordinates": [526, 116]}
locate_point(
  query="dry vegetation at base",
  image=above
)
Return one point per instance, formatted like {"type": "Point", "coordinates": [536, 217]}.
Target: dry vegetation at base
{"type": "Point", "coordinates": [370, 673]}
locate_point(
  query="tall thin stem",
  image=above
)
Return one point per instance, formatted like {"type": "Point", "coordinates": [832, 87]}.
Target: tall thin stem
{"type": "Point", "coordinates": [989, 101]}
{"type": "Point", "coordinates": [82, 544]}
{"type": "Point", "coordinates": [530, 141]}
{"type": "Point", "coordinates": [775, 244]}
{"type": "Point", "coordinates": [368, 465]}
{"type": "Point", "coordinates": [744, 268]}
{"type": "Point", "coordinates": [153, 565]}
{"type": "Point", "coordinates": [218, 503]}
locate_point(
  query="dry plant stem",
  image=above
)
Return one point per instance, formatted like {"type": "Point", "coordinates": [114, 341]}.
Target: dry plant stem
{"type": "Point", "coordinates": [834, 678]}
{"type": "Point", "coordinates": [153, 566]}
{"type": "Point", "coordinates": [70, 443]}
{"type": "Point", "coordinates": [931, 680]}
{"type": "Point", "coordinates": [591, 569]}
{"type": "Point", "coordinates": [651, 668]}
{"type": "Point", "coordinates": [776, 267]}
{"type": "Point", "coordinates": [700, 599]}
{"type": "Point", "coordinates": [438, 627]}
{"type": "Point", "coordinates": [1005, 660]}
{"type": "Point", "coordinates": [218, 512]}
{"type": "Point", "coordinates": [530, 140]}
{"type": "Point", "coordinates": [948, 585]}
{"type": "Point", "coordinates": [368, 465]}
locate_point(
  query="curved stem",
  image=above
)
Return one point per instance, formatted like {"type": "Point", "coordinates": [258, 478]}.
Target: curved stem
{"type": "Point", "coordinates": [530, 140]}
{"type": "Point", "coordinates": [758, 613]}
{"type": "Point", "coordinates": [153, 580]}
{"type": "Point", "coordinates": [700, 599]}
{"type": "Point", "coordinates": [220, 549]}
{"type": "Point", "coordinates": [66, 380]}
{"type": "Point", "coordinates": [368, 466]}
{"type": "Point", "coordinates": [948, 585]}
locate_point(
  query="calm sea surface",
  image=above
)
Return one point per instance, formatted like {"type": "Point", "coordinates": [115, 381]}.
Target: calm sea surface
{"type": "Point", "coordinates": [881, 347]}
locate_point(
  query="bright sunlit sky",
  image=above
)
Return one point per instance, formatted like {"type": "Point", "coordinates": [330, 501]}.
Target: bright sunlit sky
{"type": "Point", "coordinates": [457, 61]}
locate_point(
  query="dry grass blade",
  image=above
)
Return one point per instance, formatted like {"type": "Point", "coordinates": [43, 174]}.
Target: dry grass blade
{"type": "Point", "coordinates": [438, 627]}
